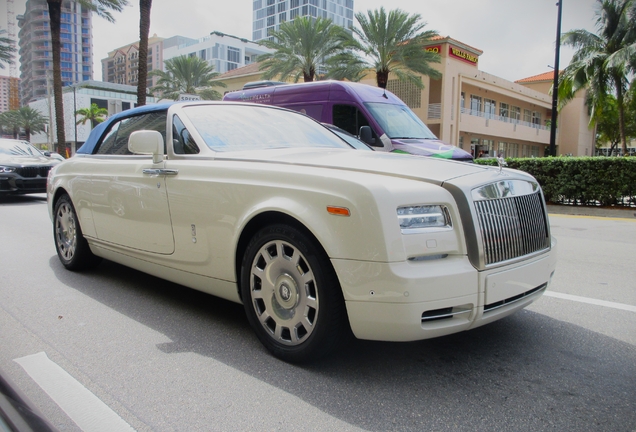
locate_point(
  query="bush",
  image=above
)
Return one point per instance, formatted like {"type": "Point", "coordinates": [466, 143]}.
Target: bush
{"type": "Point", "coordinates": [605, 181]}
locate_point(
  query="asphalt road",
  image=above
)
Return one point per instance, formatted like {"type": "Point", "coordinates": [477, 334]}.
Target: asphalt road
{"type": "Point", "coordinates": [161, 357]}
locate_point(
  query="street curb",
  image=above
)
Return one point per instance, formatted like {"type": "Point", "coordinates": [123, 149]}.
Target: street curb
{"type": "Point", "coordinates": [625, 213]}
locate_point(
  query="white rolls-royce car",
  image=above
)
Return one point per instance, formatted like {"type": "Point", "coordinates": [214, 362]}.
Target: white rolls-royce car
{"type": "Point", "coordinates": [268, 208]}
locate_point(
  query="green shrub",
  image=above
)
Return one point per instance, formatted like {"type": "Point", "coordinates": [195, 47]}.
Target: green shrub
{"type": "Point", "coordinates": [605, 181]}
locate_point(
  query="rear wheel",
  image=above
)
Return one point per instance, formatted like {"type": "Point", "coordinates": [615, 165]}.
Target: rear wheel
{"type": "Point", "coordinates": [72, 248]}
{"type": "Point", "coordinates": [291, 294]}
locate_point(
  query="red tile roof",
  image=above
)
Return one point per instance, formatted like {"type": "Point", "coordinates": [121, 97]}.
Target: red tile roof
{"type": "Point", "coordinates": [546, 76]}
{"type": "Point", "coordinates": [250, 69]}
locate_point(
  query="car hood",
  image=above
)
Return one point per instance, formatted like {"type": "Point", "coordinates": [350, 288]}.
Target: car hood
{"type": "Point", "coordinates": [427, 169]}
{"type": "Point", "coordinates": [429, 147]}
{"type": "Point", "coordinates": [15, 160]}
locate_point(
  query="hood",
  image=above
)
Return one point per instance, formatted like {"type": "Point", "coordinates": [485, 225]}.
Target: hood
{"type": "Point", "coordinates": [432, 170]}
{"type": "Point", "coordinates": [25, 161]}
{"type": "Point", "coordinates": [430, 147]}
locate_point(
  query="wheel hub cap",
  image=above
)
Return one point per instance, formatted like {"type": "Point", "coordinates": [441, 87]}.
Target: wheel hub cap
{"type": "Point", "coordinates": [286, 291]}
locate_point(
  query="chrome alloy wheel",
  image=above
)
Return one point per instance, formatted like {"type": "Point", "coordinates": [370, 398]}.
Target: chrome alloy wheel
{"type": "Point", "coordinates": [283, 292]}
{"type": "Point", "coordinates": [66, 231]}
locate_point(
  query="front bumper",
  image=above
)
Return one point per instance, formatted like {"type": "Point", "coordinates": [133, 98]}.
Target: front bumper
{"type": "Point", "coordinates": [420, 300]}
{"type": "Point", "coordinates": [15, 184]}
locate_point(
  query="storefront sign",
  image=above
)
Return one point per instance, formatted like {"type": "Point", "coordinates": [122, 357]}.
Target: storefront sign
{"type": "Point", "coordinates": [462, 55]}
{"type": "Point", "coordinates": [435, 49]}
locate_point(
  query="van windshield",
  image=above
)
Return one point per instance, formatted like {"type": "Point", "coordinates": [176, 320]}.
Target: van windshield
{"type": "Point", "coordinates": [398, 121]}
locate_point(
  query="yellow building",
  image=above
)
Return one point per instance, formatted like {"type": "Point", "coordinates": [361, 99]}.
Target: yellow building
{"type": "Point", "coordinates": [477, 111]}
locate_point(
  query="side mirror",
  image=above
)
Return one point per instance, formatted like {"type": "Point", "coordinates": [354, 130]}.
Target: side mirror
{"type": "Point", "coordinates": [366, 135]}
{"type": "Point", "coordinates": [147, 142]}
{"type": "Point", "coordinates": [47, 153]}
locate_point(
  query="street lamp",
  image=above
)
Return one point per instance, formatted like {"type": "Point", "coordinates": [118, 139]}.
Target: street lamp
{"type": "Point", "coordinates": [555, 85]}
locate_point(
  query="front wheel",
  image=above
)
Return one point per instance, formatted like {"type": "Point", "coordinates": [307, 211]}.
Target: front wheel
{"type": "Point", "coordinates": [72, 248]}
{"type": "Point", "coordinates": [291, 294]}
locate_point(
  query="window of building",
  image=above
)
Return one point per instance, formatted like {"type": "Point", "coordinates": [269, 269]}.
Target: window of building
{"type": "Point", "coordinates": [536, 118]}
{"type": "Point", "coordinates": [282, 17]}
{"type": "Point", "coordinates": [515, 114]}
{"type": "Point", "coordinates": [281, 7]}
{"type": "Point", "coordinates": [271, 10]}
{"type": "Point", "coordinates": [527, 116]}
{"type": "Point", "coordinates": [475, 104]}
{"type": "Point", "coordinates": [233, 55]}
{"type": "Point", "coordinates": [490, 108]}
{"type": "Point", "coordinates": [293, 13]}
{"type": "Point", "coordinates": [504, 111]}
{"type": "Point", "coordinates": [271, 21]}
{"type": "Point", "coordinates": [294, 3]}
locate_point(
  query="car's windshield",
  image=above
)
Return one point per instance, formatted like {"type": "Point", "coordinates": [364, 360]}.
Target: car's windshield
{"type": "Point", "coordinates": [398, 121]}
{"type": "Point", "coordinates": [240, 128]}
{"type": "Point", "coordinates": [18, 148]}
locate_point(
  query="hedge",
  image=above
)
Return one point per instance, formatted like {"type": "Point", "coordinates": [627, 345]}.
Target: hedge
{"type": "Point", "coordinates": [597, 181]}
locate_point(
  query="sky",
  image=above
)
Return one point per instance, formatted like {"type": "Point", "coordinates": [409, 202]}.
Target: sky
{"type": "Point", "coordinates": [517, 37]}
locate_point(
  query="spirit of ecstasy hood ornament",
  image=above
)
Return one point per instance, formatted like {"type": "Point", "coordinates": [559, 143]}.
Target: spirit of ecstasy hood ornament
{"type": "Point", "coordinates": [502, 163]}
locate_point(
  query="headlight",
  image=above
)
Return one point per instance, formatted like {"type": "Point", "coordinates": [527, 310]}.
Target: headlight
{"type": "Point", "coordinates": [414, 219]}
{"type": "Point", "coordinates": [6, 169]}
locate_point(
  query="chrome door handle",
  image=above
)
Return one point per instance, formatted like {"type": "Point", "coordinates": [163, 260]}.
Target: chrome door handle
{"type": "Point", "coordinates": [160, 171]}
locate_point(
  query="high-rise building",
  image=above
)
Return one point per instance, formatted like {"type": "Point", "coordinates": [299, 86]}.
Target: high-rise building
{"type": "Point", "coordinates": [122, 64]}
{"type": "Point", "coordinates": [9, 95]}
{"type": "Point", "coordinates": [36, 57]}
{"type": "Point", "coordinates": [269, 14]}
{"type": "Point", "coordinates": [224, 52]}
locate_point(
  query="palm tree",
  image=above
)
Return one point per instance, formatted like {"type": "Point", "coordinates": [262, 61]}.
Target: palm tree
{"type": "Point", "coordinates": [394, 43]}
{"type": "Point", "coordinates": [102, 8]}
{"type": "Point", "coordinates": [25, 118]}
{"type": "Point", "coordinates": [9, 123]}
{"type": "Point", "coordinates": [31, 120]}
{"type": "Point", "coordinates": [190, 75]}
{"type": "Point", "coordinates": [301, 47]}
{"type": "Point", "coordinates": [144, 29]}
{"type": "Point", "coordinates": [95, 114]}
{"type": "Point", "coordinates": [603, 61]}
{"type": "Point", "coordinates": [7, 49]}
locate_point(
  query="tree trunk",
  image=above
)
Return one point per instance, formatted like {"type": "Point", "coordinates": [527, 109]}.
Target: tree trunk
{"type": "Point", "coordinates": [309, 77]}
{"type": "Point", "coordinates": [144, 29]}
{"type": "Point", "coordinates": [382, 78]}
{"type": "Point", "coordinates": [55, 15]}
{"type": "Point", "coordinates": [620, 100]}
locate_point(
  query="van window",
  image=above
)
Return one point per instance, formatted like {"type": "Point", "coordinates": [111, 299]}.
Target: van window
{"type": "Point", "coordinates": [350, 118]}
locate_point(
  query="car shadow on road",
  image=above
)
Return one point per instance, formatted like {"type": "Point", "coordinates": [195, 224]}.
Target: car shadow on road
{"type": "Point", "coordinates": [525, 372]}
{"type": "Point", "coordinates": [35, 199]}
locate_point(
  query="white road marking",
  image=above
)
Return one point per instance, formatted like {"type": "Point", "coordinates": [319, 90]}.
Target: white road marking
{"type": "Point", "coordinates": [588, 300]}
{"type": "Point", "coordinates": [82, 406]}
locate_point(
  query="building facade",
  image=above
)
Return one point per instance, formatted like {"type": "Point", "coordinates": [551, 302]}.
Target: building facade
{"type": "Point", "coordinates": [224, 52]}
{"type": "Point", "coordinates": [122, 64]}
{"type": "Point", "coordinates": [36, 57]}
{"type": "Point", "coordinates": [112, 97]}
{"type": "Point", "coordinates": [476, 111]}
{"type": "Point", "coordinates": [9, 93]}
{"type": "Point", "coordinates": [268, 15]}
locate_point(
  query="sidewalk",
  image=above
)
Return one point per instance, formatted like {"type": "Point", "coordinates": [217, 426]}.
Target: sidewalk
{"type": "Point", "coordinates": [626, 213]}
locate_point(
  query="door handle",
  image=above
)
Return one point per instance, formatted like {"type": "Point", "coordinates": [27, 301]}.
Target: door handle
{"type": "Point", "coordinates": [160, 171]}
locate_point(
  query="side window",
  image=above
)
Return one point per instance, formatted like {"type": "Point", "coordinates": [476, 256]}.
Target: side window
{"type": "Point", "coordinates": [182, 141]}
{"type": "Point", "coordinates": [116, 140]}
{"type": "Point", "coordinates": [350, 118]}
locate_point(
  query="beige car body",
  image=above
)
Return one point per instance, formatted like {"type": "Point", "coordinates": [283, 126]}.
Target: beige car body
{"type": "Point", "coordinates": [187, 226]}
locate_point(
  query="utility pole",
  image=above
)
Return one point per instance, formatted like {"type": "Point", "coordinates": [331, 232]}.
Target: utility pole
{"type": "Point", "coordinates": [555, 85]}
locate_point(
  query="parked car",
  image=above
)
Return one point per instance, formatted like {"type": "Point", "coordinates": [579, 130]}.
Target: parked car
{"type": "Point", "coordinates": [23, 168]}
{"type": "Point", "coordinates": [266, 207]}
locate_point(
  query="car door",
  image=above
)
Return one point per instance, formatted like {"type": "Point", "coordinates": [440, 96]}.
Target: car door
{"type": "Point", "coordinates": [130, 203]}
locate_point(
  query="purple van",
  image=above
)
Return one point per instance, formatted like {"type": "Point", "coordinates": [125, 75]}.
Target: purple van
{"type": "Point", "coordinates": [390, 124]}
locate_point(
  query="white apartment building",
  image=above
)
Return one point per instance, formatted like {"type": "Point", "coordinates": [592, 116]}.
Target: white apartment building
{"type": "Point", "coordinates": [269, 14]}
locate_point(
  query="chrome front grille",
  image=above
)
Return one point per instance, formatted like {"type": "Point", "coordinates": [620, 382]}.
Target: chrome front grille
{"type": "Point", "coordinates": [512, 227]}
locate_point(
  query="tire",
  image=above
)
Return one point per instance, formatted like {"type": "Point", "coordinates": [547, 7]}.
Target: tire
{"type": "Point", "coordinates": [291, 295]}
{"type": "Point", "coordinates": [72, 248]}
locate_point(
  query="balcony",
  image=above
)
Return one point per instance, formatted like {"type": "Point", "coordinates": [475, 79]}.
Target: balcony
{"type": "Point", "coordinates": [482, 123]}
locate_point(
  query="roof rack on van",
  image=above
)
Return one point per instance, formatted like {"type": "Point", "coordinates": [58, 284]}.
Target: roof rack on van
{"type": "Point", "coordinates": [258, 84]}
